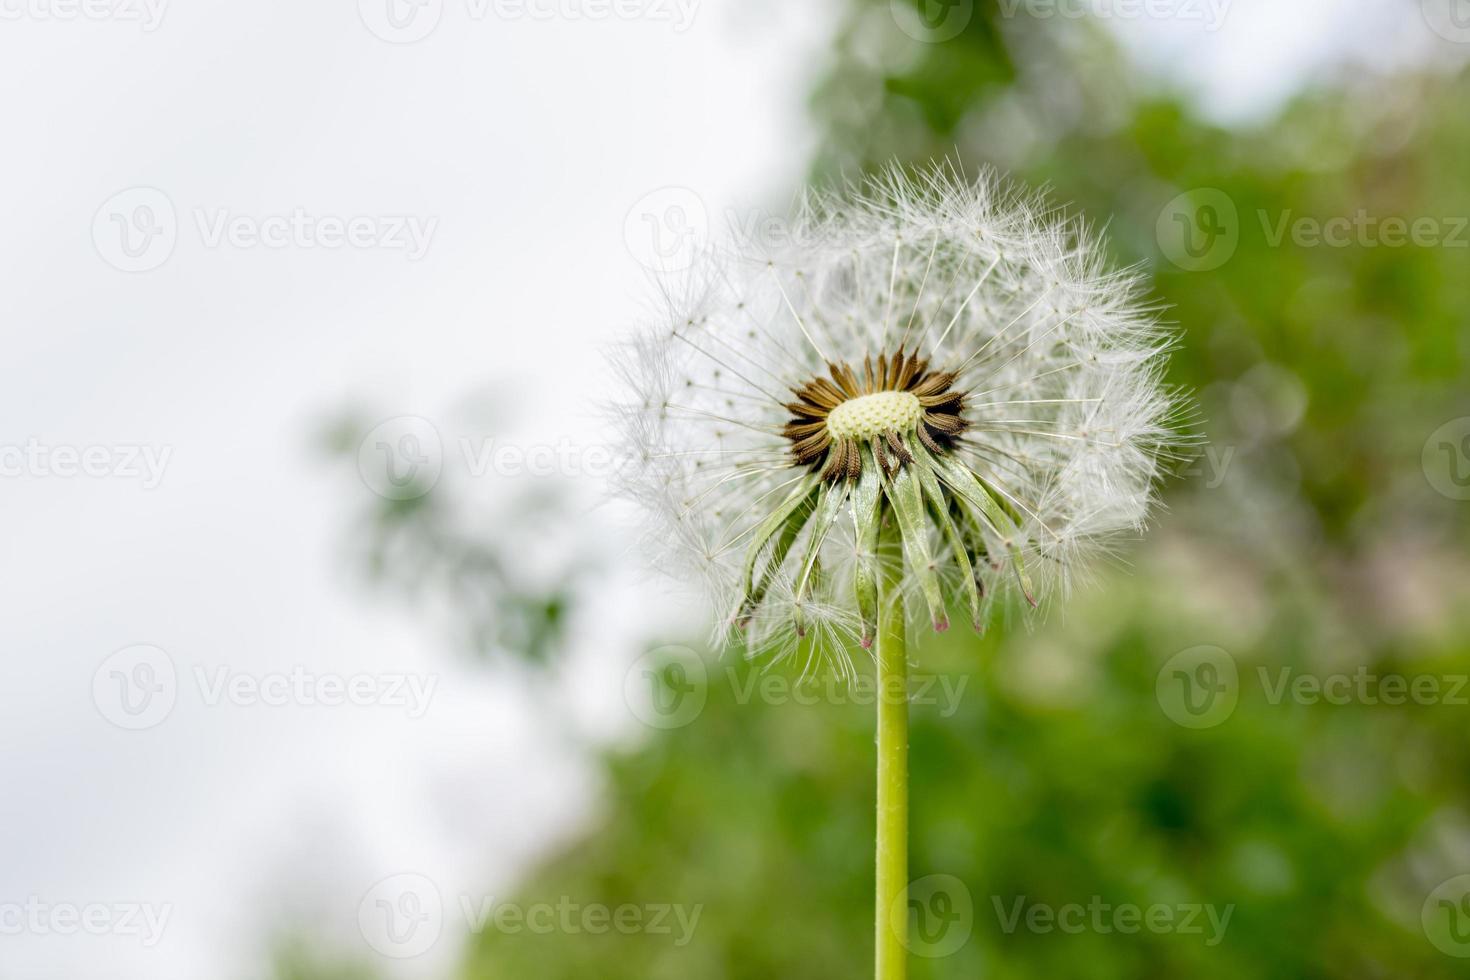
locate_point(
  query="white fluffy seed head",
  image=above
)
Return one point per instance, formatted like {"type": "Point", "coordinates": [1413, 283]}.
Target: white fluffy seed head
{"type": "Point", "coordinates": [1066, 421]}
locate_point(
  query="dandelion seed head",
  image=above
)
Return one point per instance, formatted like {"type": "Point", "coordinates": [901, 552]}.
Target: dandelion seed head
{"type": "Point", "coordinates": [950, 358]}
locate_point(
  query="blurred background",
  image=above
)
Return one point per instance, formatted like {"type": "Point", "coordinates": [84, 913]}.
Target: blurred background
{"type": "Point", "coordinates": [327, 657]}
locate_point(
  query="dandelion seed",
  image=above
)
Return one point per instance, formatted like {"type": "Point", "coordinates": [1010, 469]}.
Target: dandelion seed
{"type": "Point", "coordinates": [951, 357]}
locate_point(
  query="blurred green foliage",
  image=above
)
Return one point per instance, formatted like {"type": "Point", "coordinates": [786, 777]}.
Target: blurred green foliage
{"type": "Point", "coordinates": [1370, 339]}
{"type": "Point", "coordinates": [426, 549]}
{"type": "Point", "coordinates": [1044, 772]}
{"type": "Point", "coordinates": [1309, 540]}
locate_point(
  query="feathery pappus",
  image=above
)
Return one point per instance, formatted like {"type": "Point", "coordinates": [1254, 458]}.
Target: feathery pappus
{"type": "Point", "coordinates": [948, 355]}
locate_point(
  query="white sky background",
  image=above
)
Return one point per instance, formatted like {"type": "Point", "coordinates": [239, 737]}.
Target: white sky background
{"type": "Point", "coordinates": [1242, 58]}
{"type": "Point", "coordinates": [529, 141]}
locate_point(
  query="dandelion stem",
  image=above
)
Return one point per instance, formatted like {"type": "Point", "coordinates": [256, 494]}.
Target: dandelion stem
{"type": "Point", "coordinates": [893, 768]}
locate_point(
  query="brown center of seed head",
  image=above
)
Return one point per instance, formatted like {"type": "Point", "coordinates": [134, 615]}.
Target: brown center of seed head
{"type": "Point", "coordinates": [894, 399]}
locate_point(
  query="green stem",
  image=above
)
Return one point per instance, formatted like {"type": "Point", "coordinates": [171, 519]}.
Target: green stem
{"type": "Point", "coordinates": [893, 770]}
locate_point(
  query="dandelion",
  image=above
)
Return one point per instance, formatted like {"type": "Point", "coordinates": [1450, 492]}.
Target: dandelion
{"type": "Point", "coordinates": [931, 394]}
